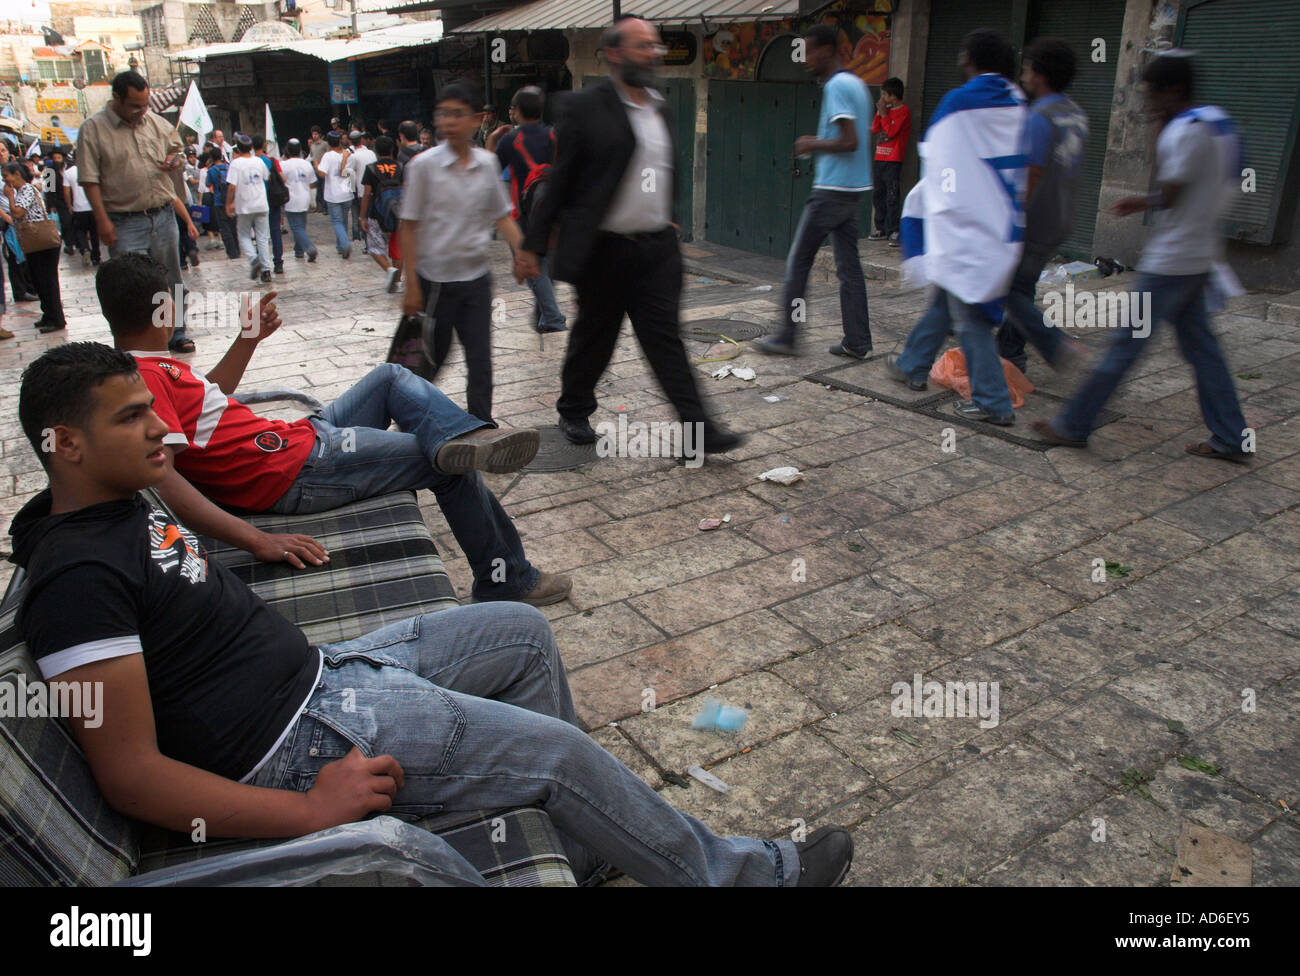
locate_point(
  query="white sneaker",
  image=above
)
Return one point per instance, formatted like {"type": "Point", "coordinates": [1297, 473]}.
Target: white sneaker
{"type": "Point", "coordinates": [392, 280]}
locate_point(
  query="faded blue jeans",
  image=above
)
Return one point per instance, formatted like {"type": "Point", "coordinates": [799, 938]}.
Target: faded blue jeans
{"type": "Point", "coordinates": [154, 234]}
{"type": "Point", "coordinates": [1180, 300]}
{"type": "Point", "coordinates": [339, 220]}
{"type": "Point", "coordinates": [298, 225]}
{"type": "Point", "coordinates": [549, 316]}
{"type": "Point", "coordinates": [473, 702]}
{"type": "Point", "coordinates": [832, 213]}
{"type": "Point", "coordinates": [978, 347]}
{"type": "Point", "coordinates": [356, 456]}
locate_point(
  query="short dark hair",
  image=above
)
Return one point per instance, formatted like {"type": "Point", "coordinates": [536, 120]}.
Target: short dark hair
{"type": "Point", "coordinates": [57, 389]}
{"type": "Point", "coordinates": [409, 131]}
{"type": "Point", "coordinates": [528, 102]}
{"type": "Point", "coordinates": [822, 35]}
{"type": "Point", "coordinates": [316, 129]}
{"type": "Point", "coordinates": [460, 91]}
{"type": "Point", "coordinates": [987, 50]}
{"type": "Point", "coordinates": [384, 146]}
{"type": "Point", "coordinates": [127, 286]}
{"type": "Point", "coordinates": [292, 148]}
{"type": "Point", "coordinates": [1052, 58]}
{"type": "Point", "coordinates": [126, 81]}
{"type": "Point", "coordinates": [333, 138]}
{"type": "Point", "coordinates": [18, 168]}
{"type": "Point", "coordinates": [258, 140]}
{"type": "Point", "coordinates": [613, 34]}
{"type": "Point", "coordinates": [1170, 71]}
{"type": "Point", "coordinates": [894, 86]}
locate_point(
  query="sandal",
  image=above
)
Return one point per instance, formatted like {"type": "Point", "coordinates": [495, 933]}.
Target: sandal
{"type": "Point", "coordinates": [6, 334]}
{"type": "Point", "coordinates": [181, 345]}
{"type": "Point", "coordinates": [1207, 450]}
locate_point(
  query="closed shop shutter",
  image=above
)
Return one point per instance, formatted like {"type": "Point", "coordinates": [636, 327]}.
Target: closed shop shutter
{"type": "Point", "coordinates": [1093, 89]}
{"type": "Point", "coordinates": [1246, 63]}
{"type": "Point", "coordinates": [950, 21]}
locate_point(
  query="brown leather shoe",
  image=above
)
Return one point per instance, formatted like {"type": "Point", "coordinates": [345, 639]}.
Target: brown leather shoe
{"type": "Point", "coordinates": [549, 588]}
{"type": "Point", "coordinates": [488, 449]}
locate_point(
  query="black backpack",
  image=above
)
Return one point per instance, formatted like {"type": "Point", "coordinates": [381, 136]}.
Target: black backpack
{"type": "Point", "coordinates": [277, 194]}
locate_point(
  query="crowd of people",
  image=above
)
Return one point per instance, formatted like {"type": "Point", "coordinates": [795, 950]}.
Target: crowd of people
{"type": "Point", "coordinates": [218, 699]}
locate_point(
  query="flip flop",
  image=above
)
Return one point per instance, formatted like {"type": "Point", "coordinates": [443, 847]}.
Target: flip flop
{"type": "Point", "coordinates": [181, 345]}
{"type": "Point", "coordinates": [1207, 450]}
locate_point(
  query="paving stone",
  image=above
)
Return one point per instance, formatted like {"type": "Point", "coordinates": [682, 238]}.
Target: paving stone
{"type": "Point", "coordinates": [981, 617]}
{"type": "Point", "coordinates": [1257, 749]}
{"type": "Point", "coordinates": [601, 633]}
{"type": "Point", "coordinates": [1210, 801]}
{"type": "Point", "coordinates": [851, 606]}
{"type": "Point", "coordinates": [1276, 856]}
{"type": "Point", "coordinates": [617, 744]}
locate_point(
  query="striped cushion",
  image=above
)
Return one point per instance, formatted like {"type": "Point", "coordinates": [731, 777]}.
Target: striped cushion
{"type": "Point", "coordinates": [383, 568]}
{"type": "Point", "coordinates": [55, 828]}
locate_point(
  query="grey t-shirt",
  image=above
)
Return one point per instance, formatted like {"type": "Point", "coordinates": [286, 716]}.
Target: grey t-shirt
{"type": "Point", "coordinates": [1056, 133]}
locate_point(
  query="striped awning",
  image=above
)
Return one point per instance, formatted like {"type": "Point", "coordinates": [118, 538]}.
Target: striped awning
{"type": "Point", "coordinates": [161, 99]}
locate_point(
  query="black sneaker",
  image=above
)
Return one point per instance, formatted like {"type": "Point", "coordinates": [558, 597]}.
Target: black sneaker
{"type": "Point", "coordinates": [311, 257]}
{"type": "Point", "coordinates": [773, 346]}
{"type": "Point", "coordinates": [876, 235]}
{"type": "Point", "coordinates": [893, 239]}
{"type": "Point", "coordinates": [839, 349]}
{"type": "Point", "coordinates": [279, 269]}
{"type": "Point", "coordinates": [824, 858]}
{"type": "Point", "coordinates": [719, 440]}
{"type": "Point", "coordinates": [891, 367]}
{"type": "Point", "coordinates": [577, 431]}
{"type": "Point", "coordinates": [253, 272]}
{"type": "Point", "coordinates": [266, 277]}
{"type": "Point", "coordinates": [973, 411]}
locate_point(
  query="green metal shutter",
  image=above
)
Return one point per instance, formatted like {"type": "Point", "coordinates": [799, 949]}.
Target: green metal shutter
{"type": "Point", "coordinates": [950, 21]}
{"type": "Point", "coordinates": [1246, 63]}
{"type": "Point", "coordinates": [1093, 89]}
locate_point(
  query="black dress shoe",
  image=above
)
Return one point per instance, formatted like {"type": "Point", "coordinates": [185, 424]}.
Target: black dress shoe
{"type": "Point", "coordinates": [51, 327]}
{"type": "Point", "coordinates": [718, 440]}
{"type": "Point", "coordinates": [577, 431]}
{"type": "Point", "coordinates": [824, 858]}
{"type": "Point", "coordinates": [29, 297]}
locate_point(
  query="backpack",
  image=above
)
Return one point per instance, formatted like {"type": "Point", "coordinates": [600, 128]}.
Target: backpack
{"type": "Point", "coordinates": [277, 194]}
{"type": "Point", "coordinates": [217, 183]}
{"type": "Point", "coordinates": [533, 180]}
{"type": "Point", "coordinates": [388, 199]}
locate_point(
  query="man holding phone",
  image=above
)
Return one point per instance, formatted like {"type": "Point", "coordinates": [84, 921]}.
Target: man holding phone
{"type": "Point", "coordinates": [126, 156]}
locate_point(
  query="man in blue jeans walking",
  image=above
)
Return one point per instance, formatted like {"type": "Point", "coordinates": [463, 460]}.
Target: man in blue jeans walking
{"type": "Point", "coordinates": [223, 714]}
{"type": "Point", "coordinates": [842, 158]}
{"type": "Point", "coordinates": [1198, 166]}
{"type": "Point", "coordinates": [333, 173]}
{"type": "Point", "coordinates": [224, 453]}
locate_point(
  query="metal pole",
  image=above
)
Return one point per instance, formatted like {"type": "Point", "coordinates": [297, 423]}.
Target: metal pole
{"type": "Point", "coordinates": [354, 17]}
{"type": "Point", "coordinates": [618, 9]}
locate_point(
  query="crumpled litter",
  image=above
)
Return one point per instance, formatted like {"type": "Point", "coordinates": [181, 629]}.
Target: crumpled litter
{"type": "Point", "coordinates": [782, 476]}
{"type": "Point", "coordinates": [740, 372]}
{"type": "Point", "coordinates": [712, 523]}
{"type": "Point", "coordinates": [950, 370]}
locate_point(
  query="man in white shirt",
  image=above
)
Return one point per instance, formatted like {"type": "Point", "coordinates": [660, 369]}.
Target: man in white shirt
{"type": "Point", "coordinates": [339, 192]}
{"type": "Point", "coordinates": [362, 156]}
{"type": "Point", "coordinates": [299, 177]}
{"type": "Point", "coordinates": [223, 147]}
{"type": "Point", "coordinates": [85, 236]}
{"type": "Point", "coordinates": [246, 202]}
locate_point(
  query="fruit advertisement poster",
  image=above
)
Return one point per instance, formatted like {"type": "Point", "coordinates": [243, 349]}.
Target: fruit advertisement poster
{"type": "Point", "coordinates": [734, 50]}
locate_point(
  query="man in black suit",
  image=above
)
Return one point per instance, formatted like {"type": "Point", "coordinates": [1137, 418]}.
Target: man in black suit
{"type": "Point", "coordinates": [609, 198]}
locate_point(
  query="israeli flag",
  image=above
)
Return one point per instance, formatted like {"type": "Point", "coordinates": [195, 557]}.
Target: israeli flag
{"type": "Point", "coordinates": [963, 224]}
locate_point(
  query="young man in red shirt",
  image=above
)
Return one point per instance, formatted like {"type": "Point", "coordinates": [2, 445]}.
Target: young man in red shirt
{"type": "Point", "coordinates": [220, 451]}
{"type": "Point", "coordinates": [893, 120]}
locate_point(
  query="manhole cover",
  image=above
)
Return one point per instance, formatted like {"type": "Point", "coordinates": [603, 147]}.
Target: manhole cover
{"type": "Point", "coordinates": [556, 453]}
{"type": "Point", "coordinates": [709, 330]}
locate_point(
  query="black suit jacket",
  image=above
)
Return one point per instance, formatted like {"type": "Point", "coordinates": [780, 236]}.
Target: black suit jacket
{"type": "Point", "coordinates": [594, 144]}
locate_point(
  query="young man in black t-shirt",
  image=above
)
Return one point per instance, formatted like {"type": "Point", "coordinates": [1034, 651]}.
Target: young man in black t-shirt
{"type": "Point", "coordinates": [215, 709]}
{"type": "Point", "coordinates": [385, 173]}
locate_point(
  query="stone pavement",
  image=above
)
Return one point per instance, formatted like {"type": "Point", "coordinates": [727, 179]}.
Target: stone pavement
{"type": "Point", "coordinates": [1163, 696]}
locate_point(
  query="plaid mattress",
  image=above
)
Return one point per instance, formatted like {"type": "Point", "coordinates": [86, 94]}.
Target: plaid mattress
{"type": "Point", "coordinates": [56, 829]}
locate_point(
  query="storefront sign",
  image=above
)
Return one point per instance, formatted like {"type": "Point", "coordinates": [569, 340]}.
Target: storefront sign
{"type": "Point", "coordinates": [56, 105]}
{"type": "Point", "coordinates": [681, 48]}
{"type": "Point", "coordinates": [343, 83]}
{"type": "Point", "coordinates": [232, 72]}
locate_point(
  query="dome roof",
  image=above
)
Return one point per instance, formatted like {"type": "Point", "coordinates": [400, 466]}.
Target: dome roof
{"type": "Point", "coordinates": [266, 31]}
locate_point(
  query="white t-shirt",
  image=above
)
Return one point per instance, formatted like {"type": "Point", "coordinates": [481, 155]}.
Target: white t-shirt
{"type": "Point", "coordinates": [248, 174]}
{"type": "Point", "coordinates": [455, 208]}
{"type": "Point", "coordinates": [1185, 238]}
{"type": "Point", "coordinates": [79, 202]}
{"type": "Point", "coordinates": [299, 178]}
{"type": "Point", "coordinates": [338, 188]}
{"type": "Point", "coordinates": [361, 158]}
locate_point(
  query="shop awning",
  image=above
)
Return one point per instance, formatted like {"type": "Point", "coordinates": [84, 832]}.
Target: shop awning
{"type": "Point", "coordinates": [161, 99]}
{"type": "Point", "coordinates": [368, 45]}
{"type": "Point", "coordinates": [580, 14]}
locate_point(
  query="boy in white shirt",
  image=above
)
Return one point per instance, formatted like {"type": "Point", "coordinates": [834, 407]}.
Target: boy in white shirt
{"type": "Point", "coordinates": [299, 177]}
{"type": "Point", "coordinates": [83, 219]}
{"type": "Point", "coordinates": [361, 157]}
{"type": "Point", "coordinates": [339, 192]}
{"type": "Point", "coordinates": [246, 202]}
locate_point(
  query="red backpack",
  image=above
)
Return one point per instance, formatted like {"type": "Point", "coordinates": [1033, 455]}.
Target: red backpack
{"type": "Point", "coordinates": [537, 173]}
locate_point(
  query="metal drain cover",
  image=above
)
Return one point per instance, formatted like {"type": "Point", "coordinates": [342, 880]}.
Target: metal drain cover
{"type": "Point", "coordinates": [556, 453]}
{"type": "Point", "coordinates": [708, 330]}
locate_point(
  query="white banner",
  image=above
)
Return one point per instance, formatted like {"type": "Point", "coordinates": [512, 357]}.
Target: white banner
{"type": "Point", "coordinates": [195, 113]}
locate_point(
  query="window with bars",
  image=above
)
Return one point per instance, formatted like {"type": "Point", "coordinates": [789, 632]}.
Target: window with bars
{"type": "Point", "coordinates": [54, 69]}
{"type": "Point", "coordinates": [96, 66]}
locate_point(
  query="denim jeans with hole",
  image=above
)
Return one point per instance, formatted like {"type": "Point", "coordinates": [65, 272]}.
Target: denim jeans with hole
{"type": "Point", "coordinates": [1179, 300]}
{"type": "Point", "coordinates": [473, 702]}
{"type": "Point", "coordinates": [356, 456]}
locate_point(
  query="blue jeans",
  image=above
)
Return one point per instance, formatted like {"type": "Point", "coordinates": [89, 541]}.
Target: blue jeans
{"type": "Point", "coordinates": [987, 380]}
{"type": "Point", "coordinates": [254, 243]}
{"type": "Point", "coordinates": [473, 702]}
{"type": "Point", "coordinates": [1179, 299]}
{"type": "Point", "coordinates": [277, 241]}
{"type": "Point", "coordinates": [339, 220]}
{"type": "Point", "coordinates": [156, 235]}
{"type": "Point", "coordinates": [298, 225]}
{"type": "Point", "coordinates": [1024, 321]}
{"type": "Point", "coordinates": [833, 213]}
{"type": "Point", "coordinates": [549, 316]}
{"type": "Point", "coordinates": [356, 456]}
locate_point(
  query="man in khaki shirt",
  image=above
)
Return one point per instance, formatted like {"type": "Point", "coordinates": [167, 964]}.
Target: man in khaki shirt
{"type": "Point", "coordinates": [127, 162]}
